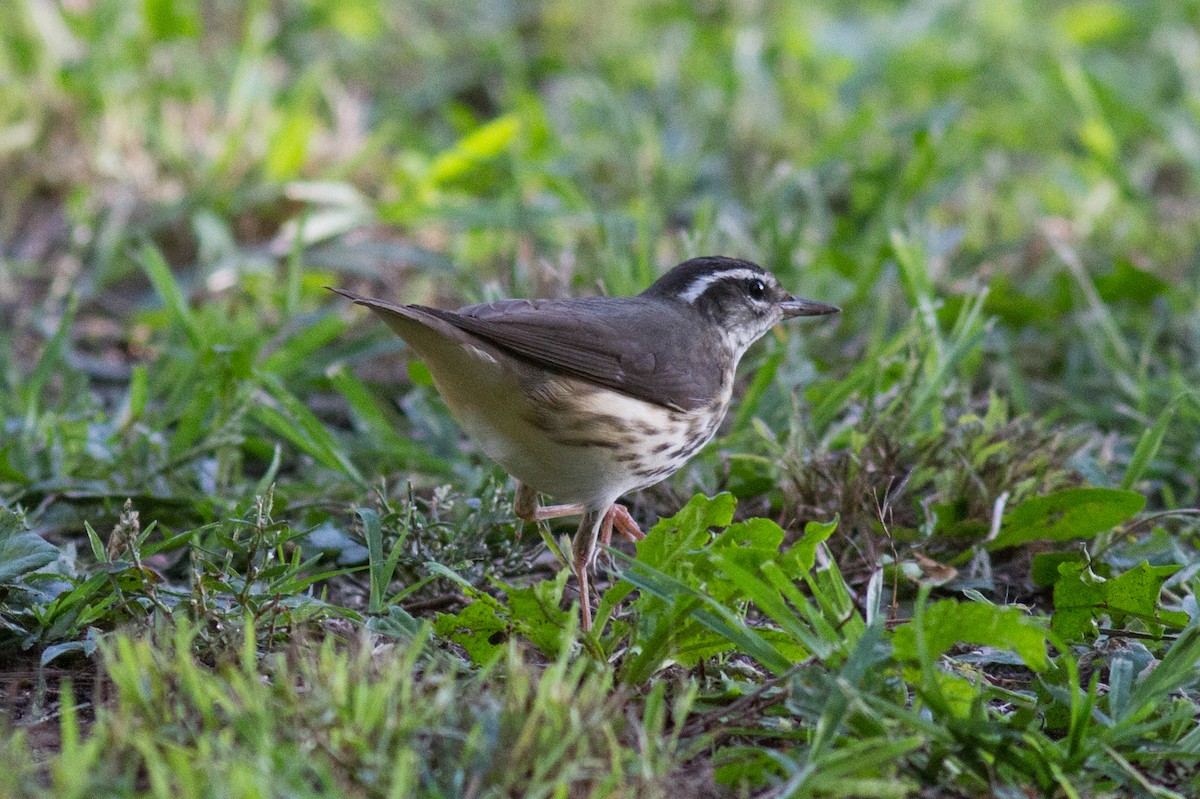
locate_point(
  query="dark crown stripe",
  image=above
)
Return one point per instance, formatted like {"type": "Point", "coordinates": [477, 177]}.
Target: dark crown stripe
{"type": "Point", "coordinates": [696, 289]}
{"type": "Point", "coordinates": [683, 280]}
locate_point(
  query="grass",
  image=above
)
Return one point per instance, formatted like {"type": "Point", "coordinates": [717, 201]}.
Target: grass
{"type": "Point", "coordinates": [945, 547]}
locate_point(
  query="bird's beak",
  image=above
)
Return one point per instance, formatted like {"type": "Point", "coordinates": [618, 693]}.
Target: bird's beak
{"type": "Point", "coordinates": [798, 306]}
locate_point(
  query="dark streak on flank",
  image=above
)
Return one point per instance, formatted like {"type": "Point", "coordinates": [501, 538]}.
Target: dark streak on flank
{"type": "Point", "coordinates": [603, 443]}
{"type": "Point", "coordinates": [598, 421]}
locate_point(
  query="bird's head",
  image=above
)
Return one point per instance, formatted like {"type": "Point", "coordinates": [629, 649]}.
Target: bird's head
{"type": "Point", "coordinates": [741, 298]}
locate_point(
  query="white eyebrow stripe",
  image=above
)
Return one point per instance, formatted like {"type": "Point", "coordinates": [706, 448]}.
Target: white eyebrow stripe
{"type": "Point", "coordinates": [702, 284]}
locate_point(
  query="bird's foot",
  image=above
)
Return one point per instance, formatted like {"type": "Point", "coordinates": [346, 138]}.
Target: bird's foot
{"type": "Point", "coordinates": [618, 517]}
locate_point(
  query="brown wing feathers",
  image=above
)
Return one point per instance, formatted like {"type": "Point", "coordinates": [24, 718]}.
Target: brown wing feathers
{"type": "Point", "coordinates": [617, 342]}
{"type": "Point", "coordinates": [576, 342]}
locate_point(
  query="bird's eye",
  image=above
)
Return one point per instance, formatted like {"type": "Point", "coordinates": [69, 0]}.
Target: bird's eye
{"type": "Point", "coordinates": [756, 289]}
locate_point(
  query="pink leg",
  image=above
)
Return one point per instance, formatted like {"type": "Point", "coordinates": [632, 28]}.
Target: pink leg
{"type": "Point", "coordinates": [527, 510]}
{"type": "Point", "coordinates": [585, 599]}
{"type": "Point", "coordinates": [526, 507]}
{"type": "Point", "coordinates": [584, 549]}
{"type": "Point", "coordinates": [618, 517]}
{"type": "Point", "coordinates": [544, 512]}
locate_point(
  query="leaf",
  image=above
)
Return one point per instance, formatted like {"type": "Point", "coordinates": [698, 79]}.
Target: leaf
{"type": "Point", "coordinates": [168, 288]}
{"type": "Point", "coordinates": [705, 610]}
{"type": "Point", "coordinates": [1136, 591]}
{"type": "Point", "coordinates": [373, 416]}
{"type": "Point", "coordinates": [804, 551]}
{"type": "Point", "coordinates": [481, 145]}
{"type": "Point", "coordinates": [750, 544]}
{"type": "Point", "coordinates": [1045, 571]}
{"type": "Point", "coordinates": [948, 622]}
{"type": "Point", "coordinates": [292, 419]}
{"type": "Point", "coordinates": [1147, 447]}
{"type": "Point", "coordinates": [538, 615]}
{"type": "Point", "coordinates": [1076, 595]}
{"type": "Point", "coordinates": [397, 623]}
{"type": "Point", "coordinates": [1074, 513]}
{"type": "Point", "coordinates": [86, 646]}
{"type": "Point", "coordinates": [381, 568]}
{"type": "Point", "coordinates": [1080, 597]}
{"type": "Point", "coordinates": [1178, 668]}
{"type": "Point", "coordinates": [771, 598]}
{"type": "Point", "coordinates": [21, 550]}
{"type": "Point", "coordinates": [761, 534]}
{"type": "Point", "coordinates": [764, 377]}
{"type": "Point", "coordinates": [686, 530]}
{"type": "Point", "coordinates": [476, 628]}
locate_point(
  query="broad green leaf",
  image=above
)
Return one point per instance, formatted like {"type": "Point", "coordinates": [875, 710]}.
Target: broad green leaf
{"type": "Point", "coordinates": [1045, 571]}
{"type": "Point", "coordinates": [476, 628]}
{"type": "Point", "coordinates": [762, 534]}
{"type": "Point", "coordinates": [538, 614]}
{"type": "Point", "coordinates": [1080, 597]}
{"type": "Point", "coordinates": [1066, 515]}
{"type": "Point", "coordinates": [397, 623]}
{"type": "Point", "coordinates": [21, 550]}
{"type": "Point", "coordinates": [686, 530]}
{"type": "Point", "coordinates": [1076, 596]}
{"type": "Point", "coordinates": [948, 622]}
{"type": "Point", "coordinates": [750, 544]}
{"type": "Point", "coordinates": [705, 610]}
{"type": "Point", "coordinates": [1136, 591]}
{"type": "Point", "coordinates": [770, 599]}
{"type": "Point", "coordinates": [804, 551]}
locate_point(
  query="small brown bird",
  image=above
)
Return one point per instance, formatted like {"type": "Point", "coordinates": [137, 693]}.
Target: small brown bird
{"type": "Point", "coordinates": [589, 399]}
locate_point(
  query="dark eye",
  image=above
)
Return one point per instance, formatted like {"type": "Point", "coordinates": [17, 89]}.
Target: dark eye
{"type": "Point", "coordinates": [756, 289]}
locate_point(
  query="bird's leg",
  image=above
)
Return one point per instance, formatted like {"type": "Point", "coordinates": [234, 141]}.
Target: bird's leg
{"type": "Point", "coordinates": [618, 517]}
{"type": "Point", "coordinates": [584, 550]}
{"type": "Point", "coordinates": [526, 507]}
{"type": "Point", "coordinates": [585, 599]}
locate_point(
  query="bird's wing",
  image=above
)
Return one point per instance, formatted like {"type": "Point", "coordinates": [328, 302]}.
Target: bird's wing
{"type": "Point", "coordinates": [651, 354]}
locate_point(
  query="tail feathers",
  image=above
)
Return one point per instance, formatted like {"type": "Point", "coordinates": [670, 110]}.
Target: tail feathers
{"type": "Point", "coordinates": [425, 333]}
{"type": "Point", "coordinates": [371, 302]}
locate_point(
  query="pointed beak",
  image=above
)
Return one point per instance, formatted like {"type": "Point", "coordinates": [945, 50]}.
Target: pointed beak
{"type": "Point", "coordinates": [798, 306]}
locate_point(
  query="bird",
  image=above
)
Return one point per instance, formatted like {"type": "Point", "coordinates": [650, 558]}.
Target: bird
{"type": "Point", "coordinates": [588, 399]}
